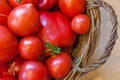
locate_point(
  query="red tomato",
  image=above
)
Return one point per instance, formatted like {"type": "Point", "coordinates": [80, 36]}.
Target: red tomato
{"type": "Point", "coordinates": [72, 7]}
{"type": "Point", "coordinates": [33, 70]}
{"type": "Point", "coordinates": [8, 44]}
{"type": "Point", "coordinates": [46, 4]}
{"type": "Point", "coordinates": [15, 3]}
{"type": "Point", "coordinates": [3, 69]}
{"type": "Point", "coordinates": [30, 47]}
{"type": "Point", "coordinates": [4, 11]}
{"type": "Point", "coordinates": [7, 77]}
{"type": "Point", "coordinates": [24, 20]}
{"type": "Point", "coordinates": [55, 29]}
{"type": "Point", "coordinates": [81, 24]}
{"type": "Point", "coordinates": [59, 65]}
{"type": "Point", "coordinates": [15, 65]}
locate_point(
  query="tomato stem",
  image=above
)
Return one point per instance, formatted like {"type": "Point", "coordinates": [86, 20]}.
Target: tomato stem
{"type": "Point", "coordinates": [18, 0]}
{"type": "Point", "coordinates": [3, 15]}
{"type": "Point", "coordinates": [52, 49]}
{"type": "Point", "coordinates": [13, 72]}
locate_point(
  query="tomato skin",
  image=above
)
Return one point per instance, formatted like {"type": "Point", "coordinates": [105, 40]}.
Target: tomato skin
{"type": "Point", "coordinates": [7, 77]}
{"type": "Point", "coordinates": [81, 24]}
{"type": "Point", "coordinates": [8, 44]}
{"type": "Point", "coordinates": [46, 4]}
{"type": "Point", "coordinates": [72, 7]}
{"type": "Point", "coordinates": [24, 20]}
{"type": "Point", "coordinates": [15, 3]}
{"type": "Point", "coordinates": [3, 69]}
{"type": "Point", "coordinates": [30, 47]}
{"type": "Point", "coordinates": [59, 65]}
{"type": "Point", "coordinates": [33, 70]}
{"type": "Point", "coordinates": [5, 9]}
{"type": "Point", "coordinates": [55, 29]}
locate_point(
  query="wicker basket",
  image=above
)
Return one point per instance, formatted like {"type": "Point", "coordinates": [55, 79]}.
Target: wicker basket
{"type": "Point", "coordinates": [85, 46]}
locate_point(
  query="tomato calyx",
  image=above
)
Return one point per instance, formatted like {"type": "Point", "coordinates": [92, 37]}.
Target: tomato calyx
{"type": "Point", "coordinates": [12, 69]}
{"type": "Point", "coordinates": [18, 0]}
{"type": "Point", "coordinates": [52, 49]}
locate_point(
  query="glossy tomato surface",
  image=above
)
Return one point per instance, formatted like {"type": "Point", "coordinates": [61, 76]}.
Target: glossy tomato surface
{"type": "Point", "coordinates": [23, 20]}
{"type": "Point", "coordinates": [81, 24]}
{"type": "Point", "coordinates": [55, 29]}
{"type": "Point", "coordinates": [46, 4]}
{"type": "Point", "coordinates": [59, 65]}
{"type": "Point", "coordinates": [72, 7]}
{"type": "Point", "coordinates": [30, 47]}
{"type": "Point", "coordinates": [5, 9]}
{"type": "Point", "coordinates": [33, 70]}
{"type": "Point", "coordinates": [15, 3]}
{"type": "Point", "coordinates": [8, 44]}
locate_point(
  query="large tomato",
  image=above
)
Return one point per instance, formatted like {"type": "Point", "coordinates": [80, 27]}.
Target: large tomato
{"type": "Point", "coordinates": [59, 65]}
{"type": "Point", "coordinates": [33, 70]}
{"type": "Point", "coordinates": [55, 29]}
{"type": "Point", "coordinates": [15, 3]}
{"type": "Point", "coordinates": [72, 7]}
{"type": "Point", "coordinates": [30, 47]}
{"type": "Point", "coordinates": [46, 4]}
{"type": "Point", "coordinates": [4, 11]}
{"type": "Point", "coordinates": [24, 20]}
{"type": "Point", "coordinates": [8, 44]}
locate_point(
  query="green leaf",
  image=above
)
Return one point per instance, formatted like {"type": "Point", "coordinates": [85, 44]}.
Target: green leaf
{"type": "Point", "coordinates": [54, 49]}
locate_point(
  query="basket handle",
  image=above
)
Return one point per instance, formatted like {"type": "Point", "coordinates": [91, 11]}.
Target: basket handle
{"type": "Point", "coordinates": [111, 42]}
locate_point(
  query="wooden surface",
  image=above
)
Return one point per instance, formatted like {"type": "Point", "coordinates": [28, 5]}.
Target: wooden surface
{"type": "Point", "coordinates": [111, 69]}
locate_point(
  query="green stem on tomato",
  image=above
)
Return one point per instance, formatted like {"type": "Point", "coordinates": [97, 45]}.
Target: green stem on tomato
{"type": "Point", "coordinates": [18, 0]}
{"type": "Point", "coordinates": [52, 49]}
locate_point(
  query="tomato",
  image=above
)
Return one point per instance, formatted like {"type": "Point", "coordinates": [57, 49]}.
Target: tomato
{"type": "Point", "coordinates": [30, 47]}
{"type": "Point", "coordinates": [33, 70]}
{"type": "Point", "coordinates": [15, 3]}
{"type": "Point", "coordinates": [3, 68]}
{"type": "Point", "coordinates": [59, 65]}
{"type": "Point", "coordinates": [81, 24]}
{"type": "Point", "coordinates": [4, 11]}
{"type": "Point", "coordinates": [46, 4]}
{"type": "Point", "coordinates": [72, 7]}
{"type": "Point", "coordinates": [55, 29]}
{"type": "Point", "coordinates": [7, 77]}
{"type": "Point", "coordinates": [8, 44]}
{"type": "Point", "coordinates": [24, 20]}
{"type": "Point", "coordinates": [15, 65]}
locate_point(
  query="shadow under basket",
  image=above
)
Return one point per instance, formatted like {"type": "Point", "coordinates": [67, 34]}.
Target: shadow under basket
{"type": "Point", "coordinates": [93, 49]}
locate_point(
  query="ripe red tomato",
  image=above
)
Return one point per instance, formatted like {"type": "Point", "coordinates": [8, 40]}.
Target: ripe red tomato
{"type": "Point", "coordinates": [30, 47]}
{"type": "Point", "coordinates": [15, 3]}
{"type": "Point", "coordinates": [7, 77]}
{"type": "Point", "coordinates": [46, 4]}
{"type": "Point", "coordinates": [55, 29]}
{"type": "Point", "coordinates": [33, 70]}
{"type": "Point", "coordinates": [8, 44]}
{"type": "Point", "coordinates": [24, 20]}
{"type": "Point", "coordinates": [3, 69]}
{"type": "Point", "coordinates": [72, 7]}
{"type": "Point", "coordinates": [81, 24]}
{"type": "Point", "coordinates": [4, 11]}
{"type": "Point", "coordinates": [59, 65]}
{"type": "Point", "coordinates": [15, 65]}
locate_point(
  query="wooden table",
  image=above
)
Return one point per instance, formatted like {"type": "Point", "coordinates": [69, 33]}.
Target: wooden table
{"type": "Point", "coordinates": [111, 69]}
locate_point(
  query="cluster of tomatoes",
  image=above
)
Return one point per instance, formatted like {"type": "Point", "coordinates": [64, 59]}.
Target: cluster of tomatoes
{"type": "Point", "coordinates": [34, 35]}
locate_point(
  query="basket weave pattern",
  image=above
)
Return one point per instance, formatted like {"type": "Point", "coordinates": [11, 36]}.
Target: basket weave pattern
{"type": "Point", "coordinates": [88, 43]}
